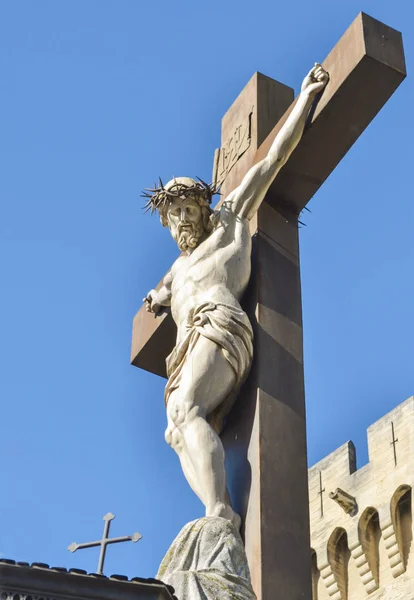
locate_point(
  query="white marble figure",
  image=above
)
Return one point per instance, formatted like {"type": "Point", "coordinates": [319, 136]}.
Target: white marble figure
{"type": "Point", "coordinates": [214, 349]}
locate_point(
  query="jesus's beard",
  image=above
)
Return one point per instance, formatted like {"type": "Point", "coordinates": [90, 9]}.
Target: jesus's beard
{"type": "Point", "coordinates": [189, 236]}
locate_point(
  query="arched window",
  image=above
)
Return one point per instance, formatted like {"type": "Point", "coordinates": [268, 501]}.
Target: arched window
{"type": "Point", "coordinates": [369, 533]}
{"type": "Point", "coordinates": [402, 518]}
{"type": "Point", "coordinates": [338, 557]}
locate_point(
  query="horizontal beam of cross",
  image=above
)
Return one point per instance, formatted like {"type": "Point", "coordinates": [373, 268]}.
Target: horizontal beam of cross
{"type": "Point", "coordinates": [124, 538]}
{"type": "Point", "coordinates": [105, 541]}
{"type": "Point", "coordinates": [366, 66]}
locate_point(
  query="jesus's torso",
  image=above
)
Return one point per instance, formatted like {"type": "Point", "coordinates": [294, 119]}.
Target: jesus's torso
{"type": "Point", "coordinates": [217, 271]}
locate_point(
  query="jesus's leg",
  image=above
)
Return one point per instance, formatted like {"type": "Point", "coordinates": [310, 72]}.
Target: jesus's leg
{"type": "Point", "coordinates": [207, 456]}
{"type": "Point", "coordinates": [175, 439]}
{"type": "Point", "coordinates": [206, 381]}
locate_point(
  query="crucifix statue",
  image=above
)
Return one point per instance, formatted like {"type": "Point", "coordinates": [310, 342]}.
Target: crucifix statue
{"type": "Point", "coordinates": [214, 347]}
{"type": "Point", "coordinates": [276, 152]}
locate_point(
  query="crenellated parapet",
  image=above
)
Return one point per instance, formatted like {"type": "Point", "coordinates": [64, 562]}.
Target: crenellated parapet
{"type": "Point", "coordinates": [361, 519]}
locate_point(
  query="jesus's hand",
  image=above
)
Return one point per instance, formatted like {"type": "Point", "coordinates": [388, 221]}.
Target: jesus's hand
{"type": "Point", "coordinates": [315, 80]}
{"type": "Point", "coordinates": [151, 302]}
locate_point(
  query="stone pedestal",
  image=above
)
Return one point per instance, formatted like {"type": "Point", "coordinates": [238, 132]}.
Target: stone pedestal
{"type": "Point", "coordinates": [207, 561]}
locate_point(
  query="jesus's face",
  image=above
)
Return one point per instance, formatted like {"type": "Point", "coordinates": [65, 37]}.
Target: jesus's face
{"type": "Point", "coordinates": [185, 221]}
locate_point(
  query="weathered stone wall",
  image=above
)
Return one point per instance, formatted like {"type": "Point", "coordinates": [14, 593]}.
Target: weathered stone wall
{"type": "Point", "coordinates": [361, 520]}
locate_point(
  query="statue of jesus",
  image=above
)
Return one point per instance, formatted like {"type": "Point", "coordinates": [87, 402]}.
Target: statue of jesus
{"type": "Point", "coordinates": [214, 346]}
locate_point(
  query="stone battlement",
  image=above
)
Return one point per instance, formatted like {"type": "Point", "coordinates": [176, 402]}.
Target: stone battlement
{"type": "Point", "coordinates": [361, 519]}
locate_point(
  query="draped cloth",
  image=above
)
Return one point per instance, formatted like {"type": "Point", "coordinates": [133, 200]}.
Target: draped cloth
{"type": "Point", "coordinates": [228, 327]}
{"type": "Point", "coordinates": [207, 561]}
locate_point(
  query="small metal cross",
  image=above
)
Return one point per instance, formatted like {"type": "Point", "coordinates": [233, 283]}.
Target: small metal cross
{"type": "Point", "coordinates": [393, 443]}
{"type": "Point", "coordinates": [105, 541]}
{"type": "Point", "coordinates": [321, 491]}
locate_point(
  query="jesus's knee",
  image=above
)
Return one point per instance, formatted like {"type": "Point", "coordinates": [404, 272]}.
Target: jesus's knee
{"type": "Point", "coordinates": [183, 413]}
{"type": "Point", "coordinates": [173, 437]}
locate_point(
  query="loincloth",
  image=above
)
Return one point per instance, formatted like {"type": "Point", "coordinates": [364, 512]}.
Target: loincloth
{"type": "Point", "coordinates": [228, 327]}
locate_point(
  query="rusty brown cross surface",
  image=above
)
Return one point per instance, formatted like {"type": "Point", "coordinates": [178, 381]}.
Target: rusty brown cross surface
{"type": "Point", "coordinates": [103, 543]}
{"type": "Point", "coordinates": [265, 435]}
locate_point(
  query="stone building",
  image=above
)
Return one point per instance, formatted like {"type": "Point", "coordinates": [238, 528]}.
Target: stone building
{"type": "Point", "coordinates": [361, 519]}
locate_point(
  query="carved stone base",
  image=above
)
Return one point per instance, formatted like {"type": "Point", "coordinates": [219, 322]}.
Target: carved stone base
{"type": "Point", "coordinates": [207, 561]}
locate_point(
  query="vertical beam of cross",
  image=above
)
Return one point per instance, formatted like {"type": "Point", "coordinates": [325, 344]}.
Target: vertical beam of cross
{"type": "Point", "coordinates": [393, 443]}
{"type": "Point", "coordinates": [103, 543]}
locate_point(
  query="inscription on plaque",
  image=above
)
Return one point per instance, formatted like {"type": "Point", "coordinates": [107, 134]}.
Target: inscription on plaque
{"type": "Point", "coordinates": [236, 145]}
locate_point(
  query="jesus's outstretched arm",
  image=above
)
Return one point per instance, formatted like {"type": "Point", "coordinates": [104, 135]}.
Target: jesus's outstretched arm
{"type": "Point", "coordinates": [247, 197]}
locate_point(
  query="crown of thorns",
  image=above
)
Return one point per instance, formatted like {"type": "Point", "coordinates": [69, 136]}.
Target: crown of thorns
{"type": "Point", "coordinates": [158, 197]}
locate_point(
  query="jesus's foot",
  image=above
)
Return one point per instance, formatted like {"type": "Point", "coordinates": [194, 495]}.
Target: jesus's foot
{"type": "Point", "coordinates": [221, 509]}
{"type": "Point", "coordinates": [236, 520]}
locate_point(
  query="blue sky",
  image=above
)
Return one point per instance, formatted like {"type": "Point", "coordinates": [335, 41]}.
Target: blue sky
{"type": "Point", "coordinates": [98, 99]}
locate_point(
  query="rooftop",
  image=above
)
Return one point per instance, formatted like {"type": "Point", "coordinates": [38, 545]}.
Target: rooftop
{"type": "Point", "coordinates": [24, 580]}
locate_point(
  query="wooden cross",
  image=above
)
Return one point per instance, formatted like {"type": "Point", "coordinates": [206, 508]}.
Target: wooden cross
{"type": "Point", "coordinates": [265, 435]}
{"type": "Point", "coordinates": [103, 543]}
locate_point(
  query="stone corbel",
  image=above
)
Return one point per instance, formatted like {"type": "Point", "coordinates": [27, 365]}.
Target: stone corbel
{"type": "Point", "coordinates": [347, 502]}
